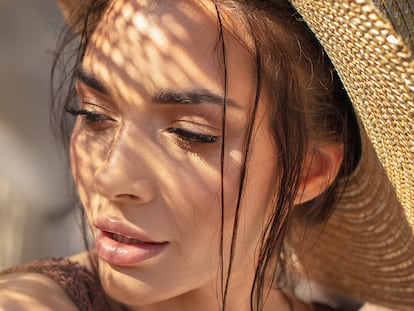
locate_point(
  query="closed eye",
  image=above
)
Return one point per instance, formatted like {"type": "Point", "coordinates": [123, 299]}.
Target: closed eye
{"type": "Point", "coordinates": [97, 121]}
{"type": "Point", "coordinates": [193, 137]}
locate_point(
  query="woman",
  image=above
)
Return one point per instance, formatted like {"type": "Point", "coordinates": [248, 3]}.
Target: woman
{"type": "Point", "coordinates": [213, 140]}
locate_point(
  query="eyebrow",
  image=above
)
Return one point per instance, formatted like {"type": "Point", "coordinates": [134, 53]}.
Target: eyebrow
{"type": "Point", "coordinates": [163, 96]}
{"type": "Point", "coordinates": [91, 81]}
{"type": "Point", "coordinates": [192, 97]}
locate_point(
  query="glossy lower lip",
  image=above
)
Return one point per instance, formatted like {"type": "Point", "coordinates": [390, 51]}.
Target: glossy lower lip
{"type": "Point", "coordinates": [123, 254]}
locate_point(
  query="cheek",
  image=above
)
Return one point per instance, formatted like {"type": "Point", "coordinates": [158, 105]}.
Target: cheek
{"type": "Point", "coordinates": [261, 181]}
{"type": "Point", "coordinates": [85, 155]}
{"type": "Point", "coordinates": [259, 187]}
{"type": "Point", "coordinates": [192, 200]}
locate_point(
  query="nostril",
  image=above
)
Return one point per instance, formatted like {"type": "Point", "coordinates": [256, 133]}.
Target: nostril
{"type": "Point", "coordinates": [123, 185]}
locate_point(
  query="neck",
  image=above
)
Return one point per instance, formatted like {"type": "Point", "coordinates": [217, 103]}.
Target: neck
{"type": "Point", "coordinates": [238, 298]}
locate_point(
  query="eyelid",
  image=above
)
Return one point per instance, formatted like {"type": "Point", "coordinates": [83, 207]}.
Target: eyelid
{"type": "Point", "coordinates": [89, 96]}
{"type": "Point", "coordinates": [199, 124]}
{"type": "Point", "coordinates": [89, 113]}
{"type": "Point", "coordinates": [93, 120]}
{"type": "Point", "coordinates": [95, 106]}
{"type": "Point", "coordinates": [194, 137]}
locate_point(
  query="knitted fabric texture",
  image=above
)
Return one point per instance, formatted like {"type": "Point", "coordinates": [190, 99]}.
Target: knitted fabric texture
{"type": "Point", "coordinates": [81, 286]}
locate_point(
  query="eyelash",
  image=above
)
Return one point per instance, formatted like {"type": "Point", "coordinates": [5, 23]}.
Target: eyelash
{"type": "Point", "coordinates": [96, 119]}
{"type": "Point", "coordinates": [192, 137]}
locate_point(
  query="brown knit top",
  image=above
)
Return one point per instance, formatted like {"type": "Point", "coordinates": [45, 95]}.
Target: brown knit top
{"type": "Point", "coordinates": [81, 286]}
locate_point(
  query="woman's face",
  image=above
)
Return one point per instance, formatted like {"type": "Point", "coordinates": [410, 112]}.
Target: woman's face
{"type": "Point", "coordinates": [146, 152]}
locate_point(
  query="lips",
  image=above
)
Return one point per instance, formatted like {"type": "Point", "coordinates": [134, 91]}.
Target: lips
{"type": "Point", "coordinates": [121, 244]}
{"type": "Point", "coordinates": [125, 239]}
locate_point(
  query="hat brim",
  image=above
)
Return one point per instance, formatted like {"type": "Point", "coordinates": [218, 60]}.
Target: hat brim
{"type": "Point", "coordinates": [366, 249]}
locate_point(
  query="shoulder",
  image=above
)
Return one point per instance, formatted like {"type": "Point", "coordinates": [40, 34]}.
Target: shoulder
{"type": "Point", "coordinates": [32, 291]}
{"type": "Point", "coordinates": [49, 284]}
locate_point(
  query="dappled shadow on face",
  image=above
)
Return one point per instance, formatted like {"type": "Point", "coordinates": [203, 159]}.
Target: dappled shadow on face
{"type": "Point", "coordinates": [136, 50]}
{"type": "Point", "coordinates": [138, 168]}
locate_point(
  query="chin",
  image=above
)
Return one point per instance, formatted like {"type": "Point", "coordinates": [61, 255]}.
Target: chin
{"type": "Point", "coordinates": [121, 284]}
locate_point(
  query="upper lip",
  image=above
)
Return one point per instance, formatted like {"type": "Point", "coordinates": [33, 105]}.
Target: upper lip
{"type": "Point", "coordinates": [121, 227]}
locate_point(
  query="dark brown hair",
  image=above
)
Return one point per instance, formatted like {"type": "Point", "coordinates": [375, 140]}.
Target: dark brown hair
{"type": "Point", "coordinates": [307, 105]}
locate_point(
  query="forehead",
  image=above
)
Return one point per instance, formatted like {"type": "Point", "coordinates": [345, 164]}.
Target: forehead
{"type": "Point", "coordinates": [159, 44]}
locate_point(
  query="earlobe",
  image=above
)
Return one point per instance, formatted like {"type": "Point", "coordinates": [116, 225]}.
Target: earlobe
{"type": "Point", "coordinates": [321, 167]}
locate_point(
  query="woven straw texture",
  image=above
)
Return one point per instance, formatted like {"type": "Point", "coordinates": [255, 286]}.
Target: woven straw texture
{"type": "Point", "coordinates": [367, 248]}
{"type": "Point", "coordinates": [400, 14]}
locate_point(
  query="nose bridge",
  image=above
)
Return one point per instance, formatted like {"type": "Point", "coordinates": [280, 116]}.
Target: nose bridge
{"type": "Point", "coordinates": [121, 151]}
{"type": "Point", "coordinates": [124, 174]}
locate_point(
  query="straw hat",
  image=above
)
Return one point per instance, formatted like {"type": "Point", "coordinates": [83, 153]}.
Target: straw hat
{"type": "Point", "coordinates": [366, 250]}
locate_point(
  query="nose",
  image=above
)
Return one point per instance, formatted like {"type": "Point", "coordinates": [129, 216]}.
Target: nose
{"type": "Point", "coordinates": [121, 177]}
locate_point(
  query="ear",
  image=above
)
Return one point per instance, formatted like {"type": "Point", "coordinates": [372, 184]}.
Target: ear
{"type": "Point", "coordinates": [321, 167]}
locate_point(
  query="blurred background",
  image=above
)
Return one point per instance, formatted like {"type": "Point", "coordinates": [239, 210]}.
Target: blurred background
{"type": "Point", "coordinates": [36, 216]}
